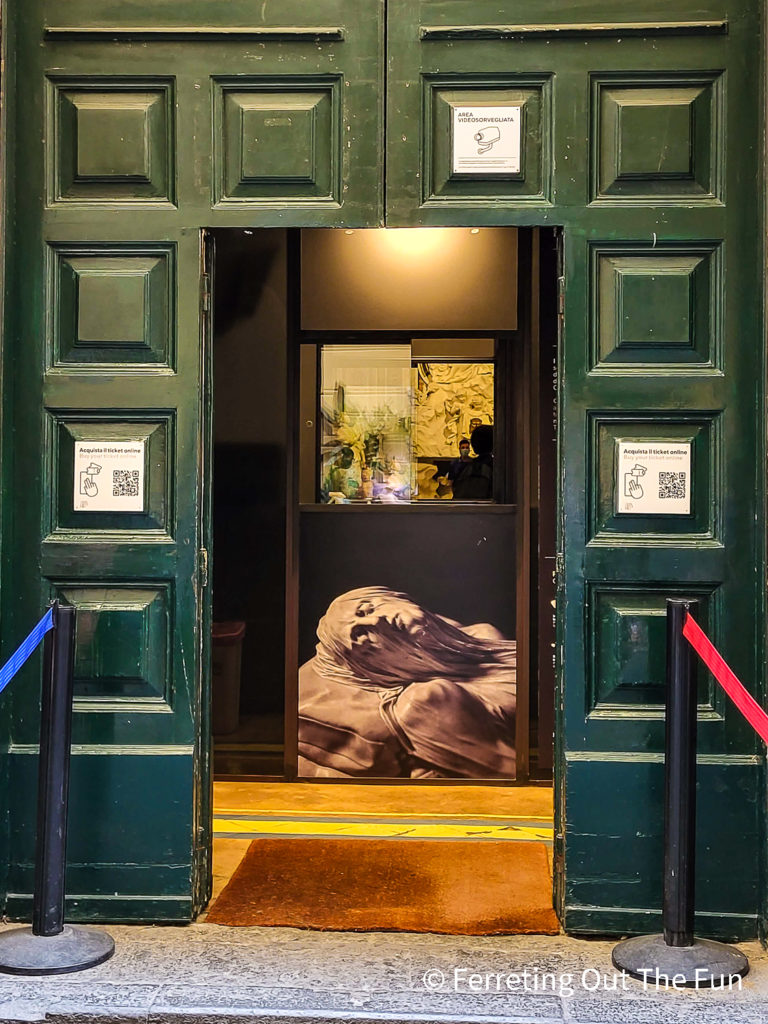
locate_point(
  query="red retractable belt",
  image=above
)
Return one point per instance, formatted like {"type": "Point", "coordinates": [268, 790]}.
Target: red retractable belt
{"type": "Point", "coordinates": [743, 700]}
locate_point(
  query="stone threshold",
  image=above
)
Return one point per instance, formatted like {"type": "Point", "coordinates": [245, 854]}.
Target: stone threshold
{"type": "Point", "coordinates": [201, 974]}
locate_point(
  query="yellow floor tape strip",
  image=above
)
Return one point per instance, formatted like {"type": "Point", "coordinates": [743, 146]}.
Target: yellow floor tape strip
{"type": "Point", "coordinates": [377, 815]}
{"type": "Point", "coordinates": [381, 830]}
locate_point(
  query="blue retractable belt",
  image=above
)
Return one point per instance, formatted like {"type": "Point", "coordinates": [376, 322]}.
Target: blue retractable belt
{"type": "Point", "coordinates": [27, 647]}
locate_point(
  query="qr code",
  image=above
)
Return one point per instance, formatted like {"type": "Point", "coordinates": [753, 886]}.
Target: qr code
{"type": "Point", "coordinates": [671, 485]}
{"type": "Point", "coordinates": [125, 483]}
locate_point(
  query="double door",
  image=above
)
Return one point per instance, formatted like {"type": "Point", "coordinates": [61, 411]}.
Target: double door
{"type": "Point", "coordinates": [133, 130]}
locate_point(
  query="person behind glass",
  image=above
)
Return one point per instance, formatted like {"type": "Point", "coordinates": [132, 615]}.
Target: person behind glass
{"type": "Point", "coordinates": [475, 480]}
{"type": "Point", "coordinates": [458, 465]}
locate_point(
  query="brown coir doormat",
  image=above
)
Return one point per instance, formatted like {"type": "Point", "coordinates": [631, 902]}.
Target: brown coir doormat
{"type": "Point", "coordinates": [452, 887]}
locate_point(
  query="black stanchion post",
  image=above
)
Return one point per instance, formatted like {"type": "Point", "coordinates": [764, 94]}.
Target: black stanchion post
{"type": "Point", "coordinates": [50, 946]}
{"type": "Point", "coordinates": [53, 774]}
{"type": "Point", "coordinates": [676, 958]}
{"type": "Point", "coordinates": [680, 780]}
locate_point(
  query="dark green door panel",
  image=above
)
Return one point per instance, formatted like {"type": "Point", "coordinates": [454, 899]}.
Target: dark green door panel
{"type": "Point", "coordinates": [627, 864]}
{"type": "Point", "coordinates": [214, 115]}
{"type": "Point", "coordinates": [128, 849]}
{"type": "Point", "coordinates": [136, 126]}
{"type": "Point", "coordinates": [625, 116]}
{"type": "Point", "coordinates": [596, 102]}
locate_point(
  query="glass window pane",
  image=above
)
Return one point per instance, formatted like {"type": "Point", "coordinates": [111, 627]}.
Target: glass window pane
{"type": "Point", "coordinates": [366, 402]}
{"type": "Point", "coordinates": [451, 399]}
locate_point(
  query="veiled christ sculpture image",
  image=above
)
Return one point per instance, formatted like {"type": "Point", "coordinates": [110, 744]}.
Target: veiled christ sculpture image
{"type": "Point", "coordinates": [397, 691]}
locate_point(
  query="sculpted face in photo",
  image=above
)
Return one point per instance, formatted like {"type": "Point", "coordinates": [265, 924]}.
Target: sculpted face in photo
{"type": "Point", "coordinates": [380, 637]}
{"type": "Point", "coordinates": [374, 619]}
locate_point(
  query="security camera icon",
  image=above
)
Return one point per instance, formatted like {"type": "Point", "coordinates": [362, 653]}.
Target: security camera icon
{"type": "Point", "coordinates": [487, 137]}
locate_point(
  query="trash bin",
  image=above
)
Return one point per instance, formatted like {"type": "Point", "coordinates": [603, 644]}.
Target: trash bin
{"type": "Point", "coordinates": [226, 658]}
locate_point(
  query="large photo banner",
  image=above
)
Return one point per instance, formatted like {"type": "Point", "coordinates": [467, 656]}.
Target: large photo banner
{"type": "Point", "coordinates": [407, 646]}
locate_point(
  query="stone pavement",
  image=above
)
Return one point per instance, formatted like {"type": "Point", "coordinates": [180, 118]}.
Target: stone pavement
{"type": "Point", "coordinates": [201, 974]}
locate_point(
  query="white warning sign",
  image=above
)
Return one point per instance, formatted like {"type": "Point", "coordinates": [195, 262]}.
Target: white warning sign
{"type": "Point", "coordinates": [109, 476]}
{"type": "Point", "coordinates": [653, 477]}
{"type": "Point", "coordinates": [486, 140]}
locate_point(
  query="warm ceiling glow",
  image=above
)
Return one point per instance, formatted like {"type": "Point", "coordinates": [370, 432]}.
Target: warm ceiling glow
{"type": "Point", "coordinates": [409, 279]}
{"type": "Point", "coordinates": [415, 241]}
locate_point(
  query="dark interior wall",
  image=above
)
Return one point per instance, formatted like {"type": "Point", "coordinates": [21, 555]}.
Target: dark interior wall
{"type": "Point", "coordinates": [250, 425]}
{"type": "Point", "coordinates": [459, 564]}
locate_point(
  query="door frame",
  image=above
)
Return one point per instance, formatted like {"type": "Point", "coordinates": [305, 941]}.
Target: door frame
{"type": "Point", "coordinates": [520, 381]}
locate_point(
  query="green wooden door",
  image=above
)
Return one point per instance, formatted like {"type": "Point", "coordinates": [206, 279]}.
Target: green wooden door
{"type": "Point", "coordinates": [132, 126]}
{"type": "Point", "coordinates": [624, 129]}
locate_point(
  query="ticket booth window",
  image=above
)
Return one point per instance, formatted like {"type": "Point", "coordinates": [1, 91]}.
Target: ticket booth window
{"type": "Point", "coordinates": [397, 422]}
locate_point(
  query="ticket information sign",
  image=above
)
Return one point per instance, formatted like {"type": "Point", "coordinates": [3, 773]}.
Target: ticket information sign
{"type": "Point", "coordinates": [653, 477]}
{"type": "Point", "coordinates": [109, 476]}
{"type": "Point", "coordinates": [486, 140]}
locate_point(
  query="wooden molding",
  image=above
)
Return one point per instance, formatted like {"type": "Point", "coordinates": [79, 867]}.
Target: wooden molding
{"type": "Point", "coordinates": [617, 29]}
{"type": "Point", "coordinates": [265, 33]}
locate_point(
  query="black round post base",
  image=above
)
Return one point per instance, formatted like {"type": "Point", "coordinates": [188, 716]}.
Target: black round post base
{"type": "Point", "coordinates": [705, 964]}
{"type": "Point", "coordinates": [76, 948]}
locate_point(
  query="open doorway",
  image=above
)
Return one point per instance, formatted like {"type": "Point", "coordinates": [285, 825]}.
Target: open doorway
{"type": "Point", "coordinates": [371, 443]}
{"type": "Point", "coordinates": [328, 394]}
